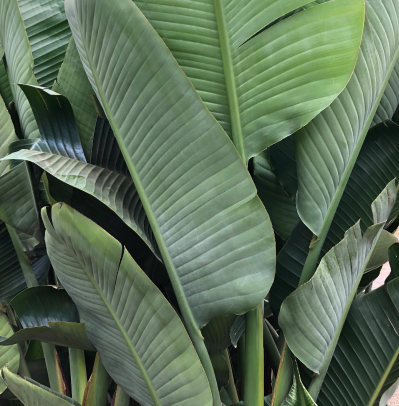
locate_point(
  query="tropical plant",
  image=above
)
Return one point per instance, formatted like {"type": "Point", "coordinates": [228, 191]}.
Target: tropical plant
{"type": "Point", "coordinates": [195, 200]}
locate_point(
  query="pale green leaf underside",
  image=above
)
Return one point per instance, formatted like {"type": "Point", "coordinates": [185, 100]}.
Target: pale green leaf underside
{"type": "Point", "coordinates": [7, 134]}
{"type": "Point", "coordinates": [72, 82]}
{"type": "Point", "coordinates": [331, 142]}
{"type": "Point", "coordinates": [213, 232]}
{"type": "Point", "coordinates": [31, 393]}
{"type": "Point", "coordinates": [380, 253]}
{"type": "Point", "coordinates": [19, 61]}
{"type": "Point", "coordinates": [313, 315]}
{"type": "Point", "coordinates": [9, 356]}
{"type": "Point", "coordinates": [114, 190]}
{"type": "Point", "coordinates": [123, 310]}
{"type": "Point", "coordinates": [268, 87]}
{"type": "Point", "coordinates": [48, 33]}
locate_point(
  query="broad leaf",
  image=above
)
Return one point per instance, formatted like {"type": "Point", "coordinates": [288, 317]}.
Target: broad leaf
{"type": "Point", "coordinates": [217, 331]}
{"type": "Point", "coordinates": [312, 317]}
{"type": "Point", "coordinates": [195, 189]}
{"type": "Point", "coordinates": [332, 141]}
{"type": "Point", "coordinates": [5, 87]}
{"type": "Point", "coordinates": [124, 307]}
{"type": "Point", "coordinates": [72, 82]}
{"type": "Point", "coordinates": [7, 134]}
{"type": "Point", "coordinates": [19, 62]}
{"type": "Point", "coordinates": [31, 393]}
{"type": "Point", "coordinates": [380, 254]}
{"type": "Point", "coordinates": [237, 330]}
{"type": "Point", "coordinates": [261, 84]}
{"type": "Point", "coordinates": [48, 33]}
{"type": "Point", "coordinates": [9, 356]}
{"type": "Point", "coordinates": [365, 362]}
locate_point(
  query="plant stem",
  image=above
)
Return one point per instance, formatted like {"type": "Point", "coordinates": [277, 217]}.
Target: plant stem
{"type": "Point", "coordinates": [53, 368]}
{"type": "Point", "coordinates": [254, 362]}
{"type": "Point", "coordinates": [77, 365]}
{"type": "Point", "coordinates": [271, 348]}
{"type": "Point", "coordinates": [120, 398]}
{"type": "Point", "coordinates": [231, 387]}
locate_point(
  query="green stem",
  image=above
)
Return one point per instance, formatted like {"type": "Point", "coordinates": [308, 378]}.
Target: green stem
{"type": "Point", "coordinates": [315, 249]}
{"type": "Point", "coordinates": [77, 365]}
{"type": "Point", "coordinates": [26, 267]}
{"type": "Point", "coordinates": [254, 363]}
{"type": "Point", "coordinates": [120, 398]}
{"type": "Point", "coordinates": [231, 89]}
{"type": "Point", "coordinates": [271, 348]}
{"type": "Point", "coordinates": [231, 387]}
{"type": "Point", "coordinates": [54, 373]}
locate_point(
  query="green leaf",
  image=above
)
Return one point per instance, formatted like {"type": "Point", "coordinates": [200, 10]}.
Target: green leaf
{"type": "Point", "coordinates": [116, 191]}
{"type": "Point", "coordinates": [97, 388]}
{"type": "Point", "coordinates": [237, 329]}
{"type": "Point", "coordinates": [64, 334]}
{"type": "Point", "coordinates": [18, 206]}
{"type": "Point", "coordinates": [261, 85]}
{"type": "Point", "coordinates": [393, 254]}
{"type": "Point", "coordinates": [48, 33]}
{"type": "Point", "coordinates": [9, 356]}
{"type": "Point", "coordinates": [368, 346]}
{"type": "Point", "coordinates": [12, 277]}
{"type": "Point", "coordinates": [72, 82]}
{"type": "Point", "coordinates": [56, 122]}
{"type": "Point", "coordinates": [124, 307]}
{"type": "Point", "coordinates": [278, 203]}
{"type": "Point", "coordinates": [332, 141]}
{"type": "Point", "coordinates": [31, 393]}
{"type": "Point", "coordinates": [217, 331]}
{"type": "Point", "coordinates": [380, 253]}
{"type": "Point", "coordinates": [5, 87]}
{"type": "Point", "coordinates": [19, 62]}
{"type": "Point", "coordinates": [312, 317]}
{"type": "Point", "coordinates": [198, 196]}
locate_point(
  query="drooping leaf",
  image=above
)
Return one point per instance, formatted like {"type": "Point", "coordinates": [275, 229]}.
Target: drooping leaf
{"type": "Point", "coordinates": [199, 198]}
{"type": "Point", "coordinates": [237, 329]}
{"type": "Point", "coordinates": [9, 356]}
{"type": "Point", "coordinates": [369, 345]}
{"type": "Point", "coordinates": [380, 254]}
{"type": "Point", "coordinates": [312, 317]}
{"type": "Point", "coordinates": [72, 82]}
{"type": "Point", "coordinates": [278, 203]}
{"type": "Point", "coordinates": [56, 122]}
{"type": "Point", "coordinates": [19, 57]}
{"type": "Point", "coordinates": [261, 85]}
{"type": "Point", "coordinates": [332, 141]}
{"type": "Point", "coordinates": [48, 33]}
{"type": "Point", "coordinates": [124, 308]}
{"type": "Point", "coordinates": [116, 191]}
{"type": "Point", "coordinates": [31, 393]}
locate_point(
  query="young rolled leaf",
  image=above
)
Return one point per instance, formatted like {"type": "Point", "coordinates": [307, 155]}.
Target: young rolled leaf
{"type": "Point", "coordinates": [19, 57]}
{"type": "Point", "coordinates": [46, 19]}
{"type": "Point", "coordinates": [97, 388]}
{"type": "Point", "coordinates": [369, 345]}
{"type": "Point", "coordinates": [124, 311]}
{"type": "Point", "coordinates": [313, 315]}
{"type": "Point", "coordinates": [31, 393]}
{"type": "Point", "coordinates": [9, 356]}
{"type": "Point", "coordinates": [213, 232]}
{"type": "Point", "coordinates": [261, 83]}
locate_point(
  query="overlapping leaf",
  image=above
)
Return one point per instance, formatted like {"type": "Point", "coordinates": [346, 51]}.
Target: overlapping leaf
{"type": "Point", "coordinates": [124, 311]}
{"type": "Point", "coordinates": [261, 87]}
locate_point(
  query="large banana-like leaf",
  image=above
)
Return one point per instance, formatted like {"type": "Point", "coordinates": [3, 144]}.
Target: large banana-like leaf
{"type": "Point", "coordinates": [332, 141]}
{"type": "Point", "coordinates": [213, 232]}
{"type": "Point", "coordinates": [72, 82]}
{"type": "Point", "coordinates": [312, 317]}
{"type": "Point", "coordinates": [7, 134]}
{"type": "Point", "coordinates": [365, 362]}
{"type": "Point", "coordinates": [12, 277]}
{"type": "Point", "coordinates": [124, 311]}
{"type": "Point", "coordinates": [31, 393]}
{"type": "Point", "coordinates": [5, 87]}
{"type": "Point", "coordinates": [261, 85]}
{"type": "Point", "coordinates": [9, 356]}
{"type": "Point", "coordinates": [19, 57]}
{"type": "Point", "coordinates": [48, 33]}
